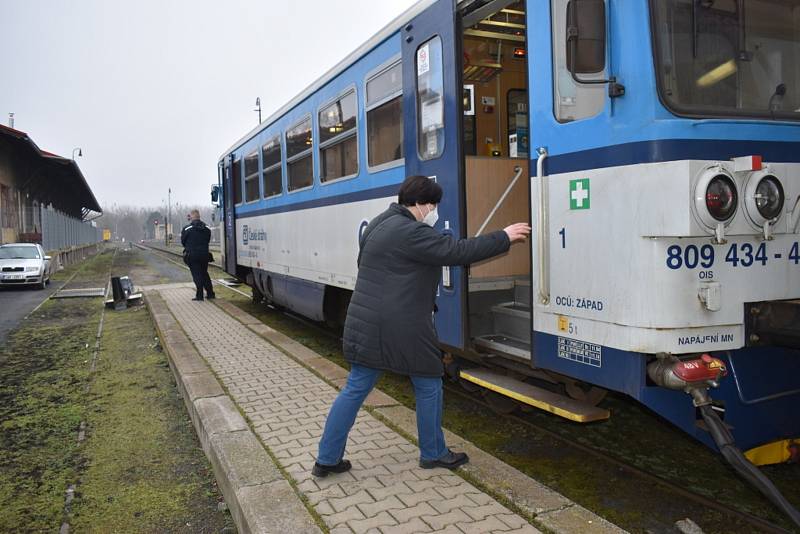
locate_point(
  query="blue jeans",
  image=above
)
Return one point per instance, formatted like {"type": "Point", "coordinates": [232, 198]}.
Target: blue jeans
{"type": "Point", "coordinates": [360, 381]}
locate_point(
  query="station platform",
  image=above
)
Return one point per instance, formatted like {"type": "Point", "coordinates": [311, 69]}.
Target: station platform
{"type": "Point", "coordinates": [258, 401]}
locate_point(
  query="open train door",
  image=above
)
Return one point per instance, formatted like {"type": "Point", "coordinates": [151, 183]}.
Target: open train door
{"type": "Point", "coordinates": [432, 140]}
{"type": "Point", "coordinates": [230, 220]}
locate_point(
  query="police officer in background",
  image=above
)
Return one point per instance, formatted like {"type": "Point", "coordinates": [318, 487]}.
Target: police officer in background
{"type": "Point", "coordinates": [194, 238]}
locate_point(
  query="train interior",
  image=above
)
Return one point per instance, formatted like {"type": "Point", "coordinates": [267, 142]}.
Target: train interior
{"type": "Point", "coordinates": [496, 153]}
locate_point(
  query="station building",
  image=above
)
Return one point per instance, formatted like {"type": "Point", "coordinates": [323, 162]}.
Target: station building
{"type": "Point", "coordinates": [44, 198]}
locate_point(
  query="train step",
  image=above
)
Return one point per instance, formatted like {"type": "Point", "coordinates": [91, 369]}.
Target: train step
{"type": "Point", "coordinates": [498, 344]}
{"type": "Point", "coordinates": [512, 319]}
{"type": "Point", "coordinates": [537, 397]}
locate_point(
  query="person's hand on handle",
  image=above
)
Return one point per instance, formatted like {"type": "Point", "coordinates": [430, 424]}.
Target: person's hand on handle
{"type": "Point", "coordinates": [517, 232]}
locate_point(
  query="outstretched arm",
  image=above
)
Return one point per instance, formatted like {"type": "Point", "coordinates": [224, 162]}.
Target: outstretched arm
{"type": "Point", "coordinates": [427, 245]}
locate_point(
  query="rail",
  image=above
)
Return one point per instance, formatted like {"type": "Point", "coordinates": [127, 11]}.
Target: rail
{"type": "Point", "coordinates": [517, 173]}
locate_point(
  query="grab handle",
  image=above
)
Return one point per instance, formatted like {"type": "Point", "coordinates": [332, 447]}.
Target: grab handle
{"type": "Point", "coordinates": [518, 172]}
{"type": "Point", "coordinates": [542, 230]}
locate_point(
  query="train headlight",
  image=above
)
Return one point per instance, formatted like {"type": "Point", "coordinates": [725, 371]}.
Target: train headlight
{"type": "Point", "coordinates": [764, 198]}
{"type": "Point", "coordinates": [769, 197]}
{"type": "Point", "coordinates": [716, 197]}
{"type": "Point", "coordinates": [721, 198]}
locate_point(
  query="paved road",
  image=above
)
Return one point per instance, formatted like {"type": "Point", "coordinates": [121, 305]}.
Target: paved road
{"type": "Point", "coordinates": [17, 302]}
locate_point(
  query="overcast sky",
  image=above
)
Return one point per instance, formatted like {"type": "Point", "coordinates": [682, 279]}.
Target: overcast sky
{"type": "Point", "coordinates": [154, 91]}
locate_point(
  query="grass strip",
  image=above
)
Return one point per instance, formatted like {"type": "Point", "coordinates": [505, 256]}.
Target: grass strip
{"type": "Point", "coordinates": [43, 368]}
{"type": "Point", "coordinates": [147, 472]}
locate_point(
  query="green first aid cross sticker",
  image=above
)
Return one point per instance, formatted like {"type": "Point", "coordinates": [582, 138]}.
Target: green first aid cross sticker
{"type": "Point", "coordinates": [579, 194]}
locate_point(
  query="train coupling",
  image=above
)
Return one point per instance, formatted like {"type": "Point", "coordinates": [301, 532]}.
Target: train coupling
{"type": "Point", "coordinates": [692, 376]}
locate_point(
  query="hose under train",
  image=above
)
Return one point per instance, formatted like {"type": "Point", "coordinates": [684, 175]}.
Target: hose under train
{"type": "Point", "coordinates": [724, 440]}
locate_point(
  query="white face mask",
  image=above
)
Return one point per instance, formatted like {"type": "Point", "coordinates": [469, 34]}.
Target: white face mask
{"type": "Point", "coordinates": [432, 216]}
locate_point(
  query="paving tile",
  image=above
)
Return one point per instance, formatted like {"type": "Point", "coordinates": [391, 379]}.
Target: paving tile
{"type": "Point", "coordinates": [440, 521]}
{"type": "Point", "coordinates": [445, 505]}
{"type": "Point", "coordinates": [372, 509]}
{"type": "Point", "coordinates": [407, 513]}
{"type": "Point", "coordinates": [365, 525]}
{"type": "Point", "coordinates": [527, 529]}
{"type": "Point", "coordinates": [362, 497]}
{"type": "Point", "coordinates": [410, 527]}
{"type": "Point", "coordinates": [490, 524]}
{"type": "Point", "coordinates": [343, 517]}
{"type": "Point", "coordinates": [428, 495]}
{"type": "Point", "coordinates": [481, 512]}
{"type": "Point", "coordinates": [512, 520]}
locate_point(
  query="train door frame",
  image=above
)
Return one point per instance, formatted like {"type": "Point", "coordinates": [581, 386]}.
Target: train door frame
{"type": "Point", "coordinates": [439, 20]}
{"type": "Point", "coordinates": [230, 218]}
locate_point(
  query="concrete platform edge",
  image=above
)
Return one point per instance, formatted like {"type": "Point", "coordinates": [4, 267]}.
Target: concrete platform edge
{"type": "Point", "coordinates": [245, 472]}
{"type": "Point", "coordinates": [549, 510]}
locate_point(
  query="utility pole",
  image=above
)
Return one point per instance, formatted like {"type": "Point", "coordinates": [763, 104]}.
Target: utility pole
{"type": "Point", "coordinates": [258, 108]}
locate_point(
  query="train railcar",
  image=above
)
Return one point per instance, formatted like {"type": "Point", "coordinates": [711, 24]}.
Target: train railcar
{"type": "Point", "coordinates": [653, 145]}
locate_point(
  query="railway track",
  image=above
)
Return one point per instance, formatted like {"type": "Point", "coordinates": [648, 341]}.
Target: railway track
{"type": "Point", "coordinates": [757, 523]}
{"type": "Point", "coordinates": [761, 524]}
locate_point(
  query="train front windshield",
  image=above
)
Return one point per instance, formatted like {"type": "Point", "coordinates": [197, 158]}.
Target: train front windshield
{"type": "Point", "coordinates": [729, 57]}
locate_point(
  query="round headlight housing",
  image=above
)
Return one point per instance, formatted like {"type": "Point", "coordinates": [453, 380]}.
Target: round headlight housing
{"type": "Point", "coordinates": [716, 197]}
{"type": "Point", "coordinates": [721, 198]}
{"type": "Point", "coordinates": [764, 198]}
{"type": "Point", "coordinates": [769, 197]}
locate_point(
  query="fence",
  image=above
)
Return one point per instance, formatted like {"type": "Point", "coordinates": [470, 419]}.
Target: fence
{"type": "Point", "coordinates": [60, 231]}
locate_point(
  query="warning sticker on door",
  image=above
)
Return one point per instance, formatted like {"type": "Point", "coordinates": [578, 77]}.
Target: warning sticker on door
{"type": "Point", "coordinates": [423, 60]}
{"type": "Point", "coordinates": [580, 351]}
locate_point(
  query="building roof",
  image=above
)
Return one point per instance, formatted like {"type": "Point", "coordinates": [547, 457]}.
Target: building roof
{"type": "Point", "coordinates": [48, 177]}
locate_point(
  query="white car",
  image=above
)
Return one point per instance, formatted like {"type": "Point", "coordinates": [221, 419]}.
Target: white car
{"type": "Point", "coordinates": [24, 263]}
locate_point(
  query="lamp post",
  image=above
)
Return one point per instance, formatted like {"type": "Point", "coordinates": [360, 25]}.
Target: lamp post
{"type": "Point", "coordinates": [80, 153]}
{"type": "Point", "coordinates": [258, 108]}
{"type": "Point", "coordinates": [169, 207]}
{"type": "Point", "coordinates": [116, 221]}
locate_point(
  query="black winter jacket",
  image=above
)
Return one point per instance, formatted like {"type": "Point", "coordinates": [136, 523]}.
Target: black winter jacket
{"type": "Point", "coordinates": [194, 238]}
{"type": "Point", "coordinates": [389, 322]}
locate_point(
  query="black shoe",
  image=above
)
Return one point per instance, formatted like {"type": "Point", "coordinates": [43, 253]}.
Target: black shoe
{"type": "Point", "coordinates": [320, 470]}
{"type": "Point", "coordinates": [198, 298]}
{"type": "Point", "coordinates": [451, 460]}
{"type": "Point", "coordinates": [212, 296]}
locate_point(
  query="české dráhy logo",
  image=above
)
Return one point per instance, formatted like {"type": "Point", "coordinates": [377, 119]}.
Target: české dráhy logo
{"type": "Point", "coordinates": [252, 235]}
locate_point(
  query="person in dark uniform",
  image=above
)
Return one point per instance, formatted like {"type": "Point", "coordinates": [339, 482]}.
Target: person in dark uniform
{"type": "Point", "coordinates": [194, 238]}
{"type": "Point", "coordinates": [390, 325]}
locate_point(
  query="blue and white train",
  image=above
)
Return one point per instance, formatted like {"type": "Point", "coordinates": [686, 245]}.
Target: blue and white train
{"type": "Point", "coordinates": [653, 145]}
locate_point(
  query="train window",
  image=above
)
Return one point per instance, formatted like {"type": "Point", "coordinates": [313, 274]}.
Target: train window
{"type": "Point", "coordinates": [517, 108]}
{"type": "Point", "coordinates": [236, 178]}
{"type": "Point", "coordinates": [271, 160]}
{"type": "Point", "coordinates": [384, 85]}
{"type": "Point", "coordinates": [338, 138]}
{"type": "Point", "coordinates": [574, 101]}
{"type": "Point", "coordinates": [589, 46]}
{"type": "Point", "coordinates": [728, 58]}
{"type": "Point", "coordinates": [430, 99]}
{"type": "Point", "coordinates": [298, 155]}
{"type": "Point", "coordinates": [251, 191]}
{"type": "Point", "coordinates": [385, 116]}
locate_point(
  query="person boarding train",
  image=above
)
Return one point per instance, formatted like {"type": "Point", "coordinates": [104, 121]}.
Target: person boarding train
{"type": "Point", "coordinates": [389, 324]}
